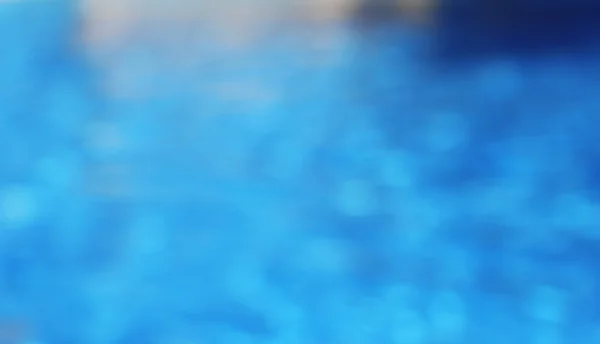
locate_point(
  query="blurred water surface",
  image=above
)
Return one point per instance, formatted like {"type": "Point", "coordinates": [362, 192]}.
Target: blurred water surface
{"type": "Point", "coordinates": [323, 183]}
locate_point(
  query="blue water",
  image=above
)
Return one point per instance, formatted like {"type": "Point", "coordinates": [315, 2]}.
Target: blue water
{"type": "Point", "coordinates": [362, 192]}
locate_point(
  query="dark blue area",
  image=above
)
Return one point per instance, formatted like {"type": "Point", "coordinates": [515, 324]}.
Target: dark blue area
{"type": "Point", "coordinates": [467, 29]}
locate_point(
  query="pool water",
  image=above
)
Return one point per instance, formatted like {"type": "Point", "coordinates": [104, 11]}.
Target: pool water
{"type": "Point", "coordinates": [333, 186]}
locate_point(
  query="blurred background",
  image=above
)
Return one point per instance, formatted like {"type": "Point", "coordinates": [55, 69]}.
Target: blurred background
{"type": "Point", "coordinates": [299, 172]}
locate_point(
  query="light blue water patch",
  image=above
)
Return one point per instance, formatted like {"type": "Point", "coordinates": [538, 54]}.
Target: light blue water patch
{"type": "Point", "coordinates": [397, 169]}
{"type": "Point", "coordinates": [401, 295]}
{"type": "Point", "coordinates": [356, 198]}
{"type": "Point", "coordinates": [328, 258]}
{"type": "Point", "coordinates": [457, 267]}
{"type": "Point", "coordinates": [19, 206]}
{"type": "Point", "coordinates": [60, 172]}
{"type": "Point", "coordinates": [66, 107]}
{"type": "Point", "coordinates": [547, 335]}
{"type": "Point", "coordinates": [19, 153]}
{"type": "Point", "coordinates": [409, 327]}
{"type": "Point", "coordinates": [448, 316]}
{"type": "Point", "coordinates": [548, 304]}
{"type": "Point", "coordinates": [288, 158]}
{"type": "Point", "coordinates": [147, 239]}
{"type": "Point", "coordinates": [579, 215]}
